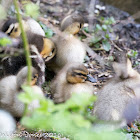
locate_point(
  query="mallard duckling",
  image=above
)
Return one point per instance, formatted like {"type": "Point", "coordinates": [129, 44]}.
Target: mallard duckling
{"type": "Point", "coordinates": [69, 47]}
{"type": "Point", "coordinates": [35, 35]}
{"type": "Point", "coordinates": [7, 123]}
{"type": "Point", "coordinates": [11, 65]}
{"type": "Point", "coordinates": [10, 87]}
{"type": "Point", "coordinates": [71, 79]}
{"type": "Point", "coordinates": [11, 27]}
{"type": "Point", "coordinates": [114, 97]}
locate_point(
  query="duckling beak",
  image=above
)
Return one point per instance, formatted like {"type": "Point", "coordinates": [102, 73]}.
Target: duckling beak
{"type": "Point", "coordinates": [91, 79]}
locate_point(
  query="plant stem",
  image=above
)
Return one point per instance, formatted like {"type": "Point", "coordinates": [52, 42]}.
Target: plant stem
{"type": "Point", "coordinates": [25, 43]}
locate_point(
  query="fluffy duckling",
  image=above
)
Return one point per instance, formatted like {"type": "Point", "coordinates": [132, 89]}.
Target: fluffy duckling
{"type": "Point", "coordinates": [10, 87]}
{"type": "Point", "coordinates": [7, 124]}
{"type": "Point", "coordinates": [11, 65]}
{"type": "Point", "coordinates": [71, 79]}
{"type": "Point", "coordinates": [35, 35]}
{"type": "Point", "coordinates": [115, 96]}
{"type": "Point", "coordinates": [11, 27]}
{"type": "Point", "coordinates": [69, 47]}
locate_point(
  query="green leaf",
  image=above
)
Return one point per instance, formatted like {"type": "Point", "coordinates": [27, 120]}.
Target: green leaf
{"type": "Point", "coordinates": [98, 27]}
{"type": "Point", "coordinates": [86, 29]}
{"type": "Point", "coordinates": [95, 39]}
{"type": "Point", "coordinates": [32, 10]}
{"type": "Point", "coordinates": [28, 95]}
{"type": "Point", "coordinates": [48, 32]}
{"type": "Point", "coordinates": [107, 36]}
{"type": "Point", "coordinates": [106, 22]}
{"type": "Point", "coordinates": [133, 54]}
{"type": "Point", "coordinates": [104, 27]}
{"type": "Point", "coordinates": [97, 45]}
{"type": "Point", "coordinates": [80, 100]}
{"type": "Point", "coordinates": [5, 41]}
{"type": "Point", "coordinates": [106, 45]}
{"type": "Point", "coordinates": [112, 20]}
{"type": "Point", "coordinates": [111, 58]}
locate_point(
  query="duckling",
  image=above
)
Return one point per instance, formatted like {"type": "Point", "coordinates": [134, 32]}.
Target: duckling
{"type": "Point", "coordinates": [10, 87]}
{"type": "Point", "coordinates": [71, 79]}
{"type": "Point", "coordinates": [11, 27]}
{"type": "Point", "coordinates": [69, 47]}
{"type": "Point", "coordinates": [11, 65]}
{"type": "Point", "coordinates": [7, 123]}
{"type": "Point", "coordinates": [122, 89]}
{"type": "Point", "coordinates": [35, 35]}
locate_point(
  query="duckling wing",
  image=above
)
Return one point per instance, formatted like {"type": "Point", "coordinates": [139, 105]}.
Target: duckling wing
{"type": "Point", "coordinates": [69, 49]}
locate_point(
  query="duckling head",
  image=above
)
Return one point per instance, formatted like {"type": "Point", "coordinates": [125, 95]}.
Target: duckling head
{"type": "Point", "coordinates": [49, 49]}
{"type": "Point", "coordinates": [122, 65]}
{"type": "Point", "coordinates": [72, 23]}
{"type": "Point", "coordinates": [22, 77]}
{"type": "Point", "coordinates": [77, 74]}
{"type": "Point", "coordinates": [11, 28]}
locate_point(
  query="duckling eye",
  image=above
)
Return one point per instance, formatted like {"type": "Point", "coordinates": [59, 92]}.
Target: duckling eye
{"type": "Point", "coordinates": [80, 25]}
{"type": "Point", "coordinates": [10, 31]}
{"type": "Point", "coordinates": [80, 74]}
{"type": "Point", "coordinates": [53, 50]}
{"type": "Point", "coordinates": [35, 76]}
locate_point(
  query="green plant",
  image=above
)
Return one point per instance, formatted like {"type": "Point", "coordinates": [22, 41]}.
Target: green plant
{"type": "Point", "coordinates": [70, 119]}
{"type": "Point", "coordinates": [32, 10]}
{"type": "Point", "coordinates": [102, 33]}
{"type": "Point", "coordinates": [5, 41]}
{"type": "Point", "coordinates": [25, 42]}
{"type": "Point", "coordinates": [48, 32]}
{"type": "Point", "coordinates": [132, 53]}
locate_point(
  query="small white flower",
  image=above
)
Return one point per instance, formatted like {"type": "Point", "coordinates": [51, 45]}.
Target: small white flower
{"type": "Point", "coordinates": [98, 6]}
{"type": "Point", "coordinates": [86, 25]}
{"type": "Point", "coordinates": [102, 8]}
{"type": "Point", "coordinates": [96, 11]}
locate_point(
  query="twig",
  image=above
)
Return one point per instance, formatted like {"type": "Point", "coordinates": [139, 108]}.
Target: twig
{"type": "Point", "coordinates": [86, 34]}
{"type": "Point", "coordinates": [91, 14]}
{"type": "Point", "coordinates": [116, 46]}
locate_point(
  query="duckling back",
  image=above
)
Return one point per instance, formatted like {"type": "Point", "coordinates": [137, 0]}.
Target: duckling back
{"type": "Point", "coordinates": [112, 100]}
{"type": "Point", "coordinates": [69, 50]}
{"type": "Point", "coordinates": [114, 97]}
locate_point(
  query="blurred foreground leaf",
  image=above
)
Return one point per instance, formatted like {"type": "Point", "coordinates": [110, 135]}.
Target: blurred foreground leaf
{"type": "Point", "coordinates": [5, 41]}
{"type": "Point", "coordinates": [32, 10]}
{"type": "Point", "coordinates": [69, 118]}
